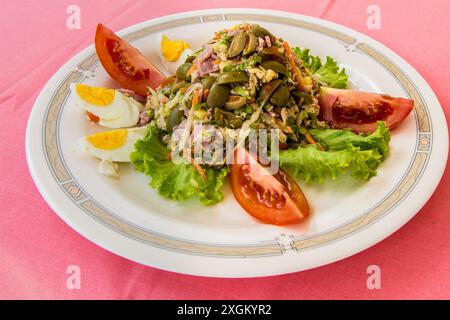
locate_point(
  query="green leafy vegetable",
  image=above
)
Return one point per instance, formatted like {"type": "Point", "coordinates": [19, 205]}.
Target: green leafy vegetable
{"type": "Point", "coordinates": [241, 91]}
{"type": "Point", "coordinates": [339, 139]}
{"type": "Point", "coordinates": [313, 165]}
{"type": "Point", "coordinates": [248, 63]}
{"type": "Point", "coordinates": [176, 181]}
{"type": "Point", "coordinates": [348, 153]}
{"type": "Point", "coordinates": [328, 73]}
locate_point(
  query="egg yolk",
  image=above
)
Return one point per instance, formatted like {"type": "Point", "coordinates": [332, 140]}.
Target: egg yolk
{"type": "Point", "coordinates": [100, 97]}
{"type": "Point", "coordinates": [171, 50]}
{"type": "Point", "coordinates": [109, 140]}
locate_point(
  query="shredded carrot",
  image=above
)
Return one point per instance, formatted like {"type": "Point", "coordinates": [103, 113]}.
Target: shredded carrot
{"type": "Point", "coordinates": [196, 98]}
{"type": "Point", "coordinates": [294, 67]}
{"type": "Point", "coordinates": [205, 94]}
{"type": "Point", "coordinates": [309, 138]}
{"type": "Point", "coordinates": [183, 90]}
{"type": "Point", "coordinates": [192, 69]}
{"type": "Point", "coordinates": [200, 171]}
{"type": "Point", "coordinates": [217, 61]}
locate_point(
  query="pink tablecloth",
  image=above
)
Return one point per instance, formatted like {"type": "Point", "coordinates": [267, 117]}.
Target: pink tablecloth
{"type": "Point", "coordinates": [414, 262]}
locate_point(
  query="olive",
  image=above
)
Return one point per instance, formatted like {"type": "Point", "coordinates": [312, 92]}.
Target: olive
{"type": "Point", "coordinates": [252, 42]}
{"type": "Point", "coordinates": [275, 66]}
{"type": "Point", "coordinates": [272, 53]}
{"type": "Point", "coordinates": [259, 31]}
{"type": "Point", "coordinates": [306, 97]}
{"type": "Point", "coordinates": [207, 82]}
{"type": "Point", "coordinates": [218, 95]}
{"type": "Point", "coordinates": [281, 96]}
{"type": "Point", "coordinates": [227, 119]}
{"type": "Point", "coordinates": [235, 122]}
{"type": "Point", "coordinates": [235, 102]}
{"type": "Point", "coordinates": [182, 71]}
{"type": "Point", "coordinates": [232, 77]}
{"type": "Point", "coordinates": [268, 89]}
{"type": "Point", "coordinates": [191, 58]}
{"type": "Point", "coordinates": [237, 45]}
{"type": "Point", "coordinates": [177, 86]}
{"type": "Point", "coordinates": [174, 119]}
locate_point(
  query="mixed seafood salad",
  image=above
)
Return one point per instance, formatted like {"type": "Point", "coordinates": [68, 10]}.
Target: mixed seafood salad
{"type": "Point", "coordinates": [244, 83]}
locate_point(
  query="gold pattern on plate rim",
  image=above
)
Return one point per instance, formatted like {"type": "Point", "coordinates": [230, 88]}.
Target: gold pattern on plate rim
{"type": "Point", "coordinates": [265, 248]}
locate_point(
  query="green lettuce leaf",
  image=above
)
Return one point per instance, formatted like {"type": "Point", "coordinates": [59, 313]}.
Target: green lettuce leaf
{"type": "Point", "coordinates": [347, 153]}
{"type": "Point", "coordinates": [313, 165]}
{"type": "Point", "coordinates": [327, 73]}
{"type": "Point", "coordinates": [176, 181]}
{"type": "Point", "coordinates": [339, 139]}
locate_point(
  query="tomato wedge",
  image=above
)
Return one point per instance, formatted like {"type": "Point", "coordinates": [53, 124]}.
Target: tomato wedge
{"type": "Point", "coordinates": [275, 199]}
{"type": "Point", "coordinates": [124, 63]}
{"type": "Point", "coordinates": [360, 111]}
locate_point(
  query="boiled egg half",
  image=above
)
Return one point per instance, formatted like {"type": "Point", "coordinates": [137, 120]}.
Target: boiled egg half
{"type": "Point", "coordinates": [108, 107]}
{"type": "Point", "coordinates": [115, 145]}
{"type": "Point", "coordinates": [172, 53]}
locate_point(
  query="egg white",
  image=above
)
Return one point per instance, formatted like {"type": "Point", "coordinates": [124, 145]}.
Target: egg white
{"type": "Point", "coordinates": [122, 112]}
{"type": "Point", "coordinates": [120, 154]}
{"type": "Point", "coordinates": [128, 119]}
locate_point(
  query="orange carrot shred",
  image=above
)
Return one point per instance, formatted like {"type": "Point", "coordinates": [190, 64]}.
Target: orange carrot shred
{"type": "Point", "coordinates": [294, 67]}
{"type": "Point", "coordinates": [200, 171]}
{"type": "Point", "coordinates": [309, 138]}
{"type": "Point", "coordinates": [205, 94]}
{"type": "Point", "coordinates": [192, 69]}
{"type": "Point", "coordinates": [196, 98]}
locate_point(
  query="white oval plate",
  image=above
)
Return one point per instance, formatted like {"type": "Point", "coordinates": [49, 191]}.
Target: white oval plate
{"type": "Point", "coordinates": [128, 218]}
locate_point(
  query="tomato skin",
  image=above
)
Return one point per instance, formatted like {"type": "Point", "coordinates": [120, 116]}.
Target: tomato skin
{"type": "Point", "coordinates": [92, 117]}
{"type": "Point", "coordinates": [290, 205]}
{"type": "Point", "coordinates": [124, 63]}
{"type": "Point", "coordinates": [360, 111]}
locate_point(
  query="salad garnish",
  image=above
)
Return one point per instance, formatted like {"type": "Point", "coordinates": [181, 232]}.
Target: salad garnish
{"type": "Point", "coordinates": [243, 84]}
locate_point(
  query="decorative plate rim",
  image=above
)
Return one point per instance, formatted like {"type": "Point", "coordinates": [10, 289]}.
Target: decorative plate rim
{"type": "Point", "coordinates": [264, 249]}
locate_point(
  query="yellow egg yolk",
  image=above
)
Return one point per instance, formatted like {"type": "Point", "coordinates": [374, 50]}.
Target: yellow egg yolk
{"type": "Point", "coordinates": [109, 140]}
{"type": "Point", "coordinates": [96, 96]}
{"type": "Point", "coordinates": [171, 50]}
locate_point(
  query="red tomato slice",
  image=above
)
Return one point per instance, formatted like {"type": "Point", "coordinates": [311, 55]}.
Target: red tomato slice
{"type": "Point", "coordinates": [274, 199]}
{"type": "Point", "coordinates": [360, 111]}
{"type": "Point", "coordinates": [124, 63]}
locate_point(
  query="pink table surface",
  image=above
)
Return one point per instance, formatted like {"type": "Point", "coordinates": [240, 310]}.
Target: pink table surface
{"type": "Point", "coordinates": [36, 246]}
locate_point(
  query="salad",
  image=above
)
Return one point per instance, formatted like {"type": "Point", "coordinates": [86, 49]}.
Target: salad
{"type": "Point", "coordinates": [267, 113]}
